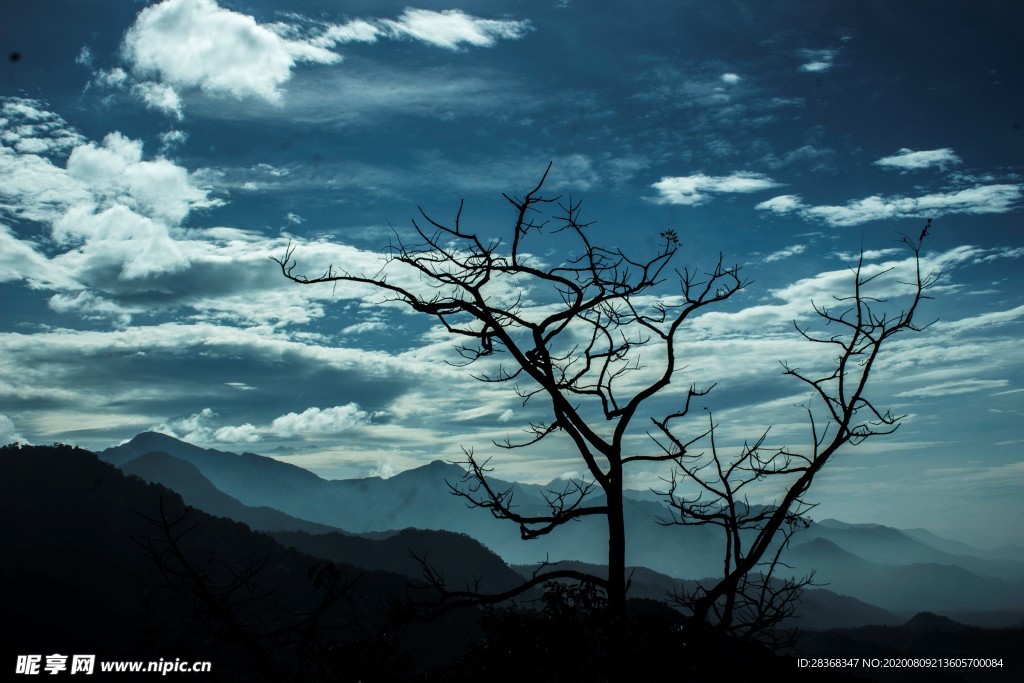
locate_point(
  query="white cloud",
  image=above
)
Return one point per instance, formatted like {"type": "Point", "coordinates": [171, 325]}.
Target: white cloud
{"type": "Point", "coordinates": [171, 139]}
{"type": "Point", "coordinates": [115, 172]}
{"type": "Point", "coordinates": [355, 31]}
{"type": "Point", "coordinates": [120, 238]}
{"type": "Point", "coordinates": [19, 260]}
{"type": "Point", "coordinates": [316, 422]}
{"type": "Point", "coordinates": [92, 306]}
{"type": "Point", "coordinates": [196, 44]}
{"type": "Point", "coordinates": [785, 203]}
{"type": "Point", "coordinates": [200, 428]}
{"type": "Point", "coordinates": [161, 97]}
{"type": "Point", "coordinates": [364, 327]}
{"type": "Point", "coordinates": [33, 188]}
{"type": "Point", "coordinates": [506, 416]}
{"type": "Point", "coordinates": [973, 200]}
{"type": "Point", "coordinates": [695, 189]}
{"type": "Point", "coordinates": [84, 56]}
{"type": "Point", "coordinates": [245, 433]}
{"type": "Point", "coordinates": [818, 61]}
{"type": "Point", "coordinates": [111, 214]}
{"type": "Point", "coordinates": [791, 250]}
{"type": "Point", "coordinates": [907, 159]}
{"type": "Point", "coordinates": [27, 128]}
{"type": "Point", "coordinates": [113, 78]}
{"type": "Point", "coordinates": [963, 386]}
{"type": "Point", "coordinates": [452, 28]}
{"type": "Point", "coordinates": [8, 433]}
{"type": "Point", "coordinates": [195, 429]}
{"type": "Point", "coordinates": [730, 78]}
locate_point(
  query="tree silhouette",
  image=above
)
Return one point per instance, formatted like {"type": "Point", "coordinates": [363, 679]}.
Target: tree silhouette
{"type": "Point", "coordinates": [751, 598]}
{"type": "Point", "coordinates": [595, 338]}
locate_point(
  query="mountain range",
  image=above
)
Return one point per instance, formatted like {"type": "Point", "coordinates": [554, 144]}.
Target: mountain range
{"type": "Point", "coordinates": [901, 572]}
{"type": "Point", "coordinates": [98, 560]}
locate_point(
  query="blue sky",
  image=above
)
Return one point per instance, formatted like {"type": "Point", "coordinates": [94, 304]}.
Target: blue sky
{"type": "Point", "coordinates": [155, 155]}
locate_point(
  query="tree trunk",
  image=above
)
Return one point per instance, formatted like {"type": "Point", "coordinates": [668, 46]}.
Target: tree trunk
{"type": "Point", "coordinates": [616, 552]}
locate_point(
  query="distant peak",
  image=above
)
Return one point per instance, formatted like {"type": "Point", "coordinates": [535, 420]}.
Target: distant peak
{"type": "Point", "coordinates": [153, 437]}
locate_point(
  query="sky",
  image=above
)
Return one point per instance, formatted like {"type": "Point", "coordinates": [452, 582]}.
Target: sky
{"type": "Point", "coordinates": [156, 155]}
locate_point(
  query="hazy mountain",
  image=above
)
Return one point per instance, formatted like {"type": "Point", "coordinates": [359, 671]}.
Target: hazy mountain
{"type": "Point", "coordinates": [422, 498]}
{"type": "Point", "coordinates": [875, 564]}
{"type": "Point", "coordinates": [1001, 552]}
{"type": "Point", "coordinates": [907, 587]}
{"type": "Point", "coordinates": [186, 479]}
{"type": "Point", "coordinates": [886, 545]}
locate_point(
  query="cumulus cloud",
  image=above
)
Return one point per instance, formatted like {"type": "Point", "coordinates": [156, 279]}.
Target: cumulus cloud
{"type": "Point", "coordinates": [909, 160]}
{"type": "Point", "coordinates": [245, 433]}
{"type": "Point", "coordinates": [981, 199]}
{"type": "Point", "coordinates": [316, 421]}
{"type": "Point", "coordinates": [115, 172]}
{"type": "Point", "coordinates": [201, 427]}
{"type": "Point", "coordinates": [696, 189]}
{"type": "Point", "coordinates": [730, 78]}
{"type": "Point", "coordinates": [196, 44]}
{"type": "Point", "coordinates": [113, 214]}
{"type": "Point", "coordinates": [118, 236]}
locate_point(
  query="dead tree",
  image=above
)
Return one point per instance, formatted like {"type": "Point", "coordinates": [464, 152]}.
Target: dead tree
{"type": "Point", "coordinates": [573, 354]}
{"type": "Point", "coordinates": [754, 593]}
{"type": "Point", "coordinates": [571, 334]}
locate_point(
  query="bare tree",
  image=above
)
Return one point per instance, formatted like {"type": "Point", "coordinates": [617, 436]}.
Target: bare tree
{"type": "Point", "coordinates": [751, 598]}
{"type": "Point", "coordinates": [595, 338]}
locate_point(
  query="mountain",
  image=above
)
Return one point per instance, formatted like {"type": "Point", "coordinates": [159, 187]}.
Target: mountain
{"type": "Point", "coordinates": [96, 562]}
{"type": "Point", "coordinates": [196, 490]}
{"type": "Point", "coordinates": [849, 558]}
{"type": "Point", "coordinates": [422, 498]}
{"type": "Point", "coordinates": [1002, 552]}
{"type": "Point", "coordinates": [907, 587]}
{"type": "Point", "coordinates": [463, 562]}
{"type": "Point", "coordinates": [887, 545]}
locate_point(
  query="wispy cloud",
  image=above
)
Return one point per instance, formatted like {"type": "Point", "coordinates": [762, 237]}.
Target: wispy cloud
{"type": "Point", "coordinates": [698, 188]}
{"type": "Point", "coordinates": [817, 61]}
{"type": "Point", "coordinates": [452, 28]}
{"type": "Point", "coordinates": [909, 160]}
{"type": "Point", "coordinates": [791, 250]}
{"type": "Point", "coordinates": [963, 386]}
{"type": "Point", "coordinates": [981, 199]}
